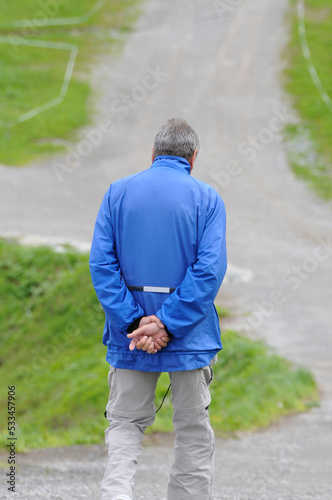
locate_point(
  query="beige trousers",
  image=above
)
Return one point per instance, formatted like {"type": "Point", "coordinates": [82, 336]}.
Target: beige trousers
{"type": "Point", "coordinates": [131, 409]}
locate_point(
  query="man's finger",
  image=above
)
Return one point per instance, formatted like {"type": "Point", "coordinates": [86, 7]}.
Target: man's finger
{"type": "Point", "coordinates": [147, 344]}
{"type": "Point", "coordinates": [140, 344]}
{"type": "Point", "coordinates": [135, 333]}
{"type": "Point", "coordinates": [142, 330]}
{"type": "Point", "coordinates": [159, 323]}
{"type": "Point", "coordinates": [164, 339]}
{"type": "Point", "coordinates": [151, 349]}
{"type": "Point", "coordinates": [149, 330]}
{"type": "Point", "coordinates": [133, 344]}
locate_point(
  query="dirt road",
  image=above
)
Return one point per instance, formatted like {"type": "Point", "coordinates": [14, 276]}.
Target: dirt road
{"type": "Point", "coordinates": [216, 64]}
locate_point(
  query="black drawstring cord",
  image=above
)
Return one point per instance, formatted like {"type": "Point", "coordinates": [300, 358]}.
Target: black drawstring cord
{"type": "Point", "coordinates": [105, 414]}
{"type": "Point", "coordinates": [164, 398]}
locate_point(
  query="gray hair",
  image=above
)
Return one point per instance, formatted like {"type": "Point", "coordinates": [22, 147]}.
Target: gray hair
{"type": "Point", "coordinates": [176, 138]}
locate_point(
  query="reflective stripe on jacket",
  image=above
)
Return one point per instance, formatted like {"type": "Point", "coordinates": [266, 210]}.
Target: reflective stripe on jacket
{"type": "Point", "coordinates": [160, 228]}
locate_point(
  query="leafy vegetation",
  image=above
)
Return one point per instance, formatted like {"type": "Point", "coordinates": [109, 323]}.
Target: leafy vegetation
{"type": "Point", "coordinates": [51, 351]}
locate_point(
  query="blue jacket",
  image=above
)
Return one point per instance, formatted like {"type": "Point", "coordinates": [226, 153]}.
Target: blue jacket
{"type": "Point", "coordinates": [162, 228]}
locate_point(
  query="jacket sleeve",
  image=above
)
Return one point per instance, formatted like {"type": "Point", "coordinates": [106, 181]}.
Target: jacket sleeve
{"type": "Point", "coordinates": [190, 303]}
{"type": "Point", "coordinates": [119, 305]}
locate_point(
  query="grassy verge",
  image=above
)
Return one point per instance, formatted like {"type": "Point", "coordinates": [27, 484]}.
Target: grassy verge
{"type": "Point", "coordinates": [310, 142]}
{"type": "Point", "coordinates": [33, 75]}
{"type": "Point", "coordinates": [51, 351]}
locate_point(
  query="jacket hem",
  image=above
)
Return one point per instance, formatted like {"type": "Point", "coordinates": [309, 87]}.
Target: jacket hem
{"type": "Point", "coordinates": [165, 362]}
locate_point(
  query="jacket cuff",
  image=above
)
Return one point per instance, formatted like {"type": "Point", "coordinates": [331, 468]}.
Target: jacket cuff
{"type": "Point", "coordinates": [167, 331]}
{"type": "Point", "coordinates": [134, 325]}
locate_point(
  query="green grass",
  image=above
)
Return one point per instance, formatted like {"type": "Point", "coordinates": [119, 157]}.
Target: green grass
{"type": "Point", "coordinates": [51, 351]}
{"type": "Point", "coordinates": [251, 388]}
{"type": "Point", "coordinates": [223, 312]}
{"type": "Point", "coordinates": [313, 160]}
{"type": "Point", "coordinates": [33, 76]}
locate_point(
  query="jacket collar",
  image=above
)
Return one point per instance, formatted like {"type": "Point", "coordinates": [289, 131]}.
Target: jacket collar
{"type": "Point", "coordinates": [172, 161]}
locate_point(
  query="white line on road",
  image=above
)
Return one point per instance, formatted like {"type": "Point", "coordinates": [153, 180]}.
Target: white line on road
{"type": "Point", "coordinates": [73, 49]}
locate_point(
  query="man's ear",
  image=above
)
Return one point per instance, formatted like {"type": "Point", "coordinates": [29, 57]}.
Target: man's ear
{"type": "Point", "coordinates": [153, 157]}
{"type": "Point", "coordinates": [193, 159]}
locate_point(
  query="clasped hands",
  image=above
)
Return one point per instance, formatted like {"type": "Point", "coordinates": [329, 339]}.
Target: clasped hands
{"type": "Point", "coordinates": [150, 336]}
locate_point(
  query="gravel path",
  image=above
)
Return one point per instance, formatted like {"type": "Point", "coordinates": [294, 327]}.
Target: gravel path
{"type": "Point", "coordinates": [219, 69]}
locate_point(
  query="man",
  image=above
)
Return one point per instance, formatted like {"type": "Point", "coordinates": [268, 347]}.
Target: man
{"type": "Point", "coordinates": [158, 258]}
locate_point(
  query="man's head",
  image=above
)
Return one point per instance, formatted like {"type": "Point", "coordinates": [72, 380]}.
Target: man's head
{"type": "Point", "coordinates": [176, 138]}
